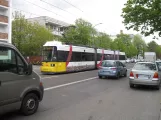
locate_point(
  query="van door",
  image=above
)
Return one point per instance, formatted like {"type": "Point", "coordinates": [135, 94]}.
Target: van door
{"type": "Point", "coordinates": [13, 79]}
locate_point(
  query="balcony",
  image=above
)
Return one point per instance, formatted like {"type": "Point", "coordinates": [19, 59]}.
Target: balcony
{"type": "Point", "coordinates": [3, 20]}
{"type": "Point", "coordinates": [3, 36]}
{"type": "Point", "coordinates": [57, 33]}
{"type": "Point", "coordinates": [4, 3]}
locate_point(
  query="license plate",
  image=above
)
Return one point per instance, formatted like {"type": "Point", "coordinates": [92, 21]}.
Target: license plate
{"type": "Point", "coordinates": [144, 76]}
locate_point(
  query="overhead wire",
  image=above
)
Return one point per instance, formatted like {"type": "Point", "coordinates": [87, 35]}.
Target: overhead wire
{"type": "Point", "coordinates": [57, 7]}
{"type": "Point", "coordinates": [25, 11]}
{"type": "Point", "coordinates": [44, 8]}
{"type": "Point", "coordinates": [73, 5]}
{"type": "Point", "coordinates": [31, 13]}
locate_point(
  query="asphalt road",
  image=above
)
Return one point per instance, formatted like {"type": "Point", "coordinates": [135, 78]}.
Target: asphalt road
{"type": "Point", "coordinates": [82, 96]}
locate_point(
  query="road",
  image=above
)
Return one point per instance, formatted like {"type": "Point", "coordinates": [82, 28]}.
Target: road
{"type": "Point", "coordinates": [82, 96]}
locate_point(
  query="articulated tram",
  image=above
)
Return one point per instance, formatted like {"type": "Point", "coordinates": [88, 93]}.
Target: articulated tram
{"type": "Point", "coordinates": [58, 57]}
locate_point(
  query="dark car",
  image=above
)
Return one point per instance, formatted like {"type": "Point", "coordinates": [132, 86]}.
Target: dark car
{"type": "Point", "coordinates": [112, 68]}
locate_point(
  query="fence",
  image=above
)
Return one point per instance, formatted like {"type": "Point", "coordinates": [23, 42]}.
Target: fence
{"type": "Point", "coordinates": [35, 60]}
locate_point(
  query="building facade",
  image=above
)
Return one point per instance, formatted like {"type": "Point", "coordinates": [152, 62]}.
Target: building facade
{"type": "Point", "coordinates": [5, 20]}
{"type": "Point", "coordinates": [58, 27]}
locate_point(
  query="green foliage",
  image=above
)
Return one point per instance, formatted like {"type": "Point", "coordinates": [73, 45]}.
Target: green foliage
{"type": "Point", "coordinates": [143, 15]}
{"type": "Point", "coordinates": [80, 34]}
{"type": "Point", "coordinates": [154, 47]}
{"type": "Point", "coordinates": [140, 45]}
{"type": "Point", "coordinates": [123, 43]}
{"type": "Point", "coordinates": [102, 40]}
{"type": "Point", "coordinates": [29, 37]}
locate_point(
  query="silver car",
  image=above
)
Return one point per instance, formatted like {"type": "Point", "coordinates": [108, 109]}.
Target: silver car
{"type": "Point", "coordinates": [145, 73]}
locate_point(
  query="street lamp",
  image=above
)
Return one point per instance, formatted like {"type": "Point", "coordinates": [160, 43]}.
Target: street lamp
{"type": "Point", "coordinates": [93, 33]}
{"type": "Point", "coordinates": [97, 24]}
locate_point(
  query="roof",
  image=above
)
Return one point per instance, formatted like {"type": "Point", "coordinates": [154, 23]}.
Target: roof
{"type": "Point", "coordinates": [7, 44]}
{"type": "Point", "coordinates": [145, 62]}
{"type": "Point", "coordinates": [50, 20]}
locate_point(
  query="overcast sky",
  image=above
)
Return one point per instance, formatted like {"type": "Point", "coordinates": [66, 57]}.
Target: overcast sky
{"type": "Point", "coordinates": [106, 12]}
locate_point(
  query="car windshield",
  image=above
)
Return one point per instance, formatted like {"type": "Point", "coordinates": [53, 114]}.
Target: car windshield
{"type": "Point", "coordinates": [158, 64]}
{"type": "Point", "coordinates": [145, 66]}
{"type": "Point", "coordinates": [108, 64]}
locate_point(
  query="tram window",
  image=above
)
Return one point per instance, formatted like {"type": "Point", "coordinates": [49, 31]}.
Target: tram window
{"type": "Point", "coordinates": [62, 56]}
{"type": "Point", "coordinates": [107, 57]}
{"type": "Point", "coordinates": [99, 56]}
{"type": "Point", "coordinates": [76, 56]}
{"type": "Point", "coordinates": [112, 57]}
{"type": "Point", "coordinates": [89, 56]}
{"type": "Point", "coordinates": [121, 57]}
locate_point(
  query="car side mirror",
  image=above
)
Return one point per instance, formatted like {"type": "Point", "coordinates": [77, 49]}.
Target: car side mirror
{"type": "Point", "coordinates": [159, 68]}
{"type": "Point", "coordinates": [29, 69]}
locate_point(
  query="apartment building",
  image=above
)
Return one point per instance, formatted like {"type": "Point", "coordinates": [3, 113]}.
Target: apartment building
{"type": "Point", "coordinates": [58, 27]}
{"type": "Point", "coordinates": [5, 20]}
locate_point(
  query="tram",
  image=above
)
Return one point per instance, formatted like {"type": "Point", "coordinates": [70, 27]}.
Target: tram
{"type": "Point", "coordinates": [58, 57]}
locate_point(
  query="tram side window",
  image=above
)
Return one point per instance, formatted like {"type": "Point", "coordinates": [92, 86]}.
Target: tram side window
{"type": "Point", "coordinates": [76, 56]}
{"type": "Point", "coordinates": [107, 57]}
{"type": "Point", "coordinates": [99, 56]}
{"type": "Point", "coordinates": [62, 56]}
{"type": "Point", "coordinates": [111, 57]}
{"type": "Point", "coordinates": [87, 56]}
{"type": "Point", "coordinates": [121, 57]}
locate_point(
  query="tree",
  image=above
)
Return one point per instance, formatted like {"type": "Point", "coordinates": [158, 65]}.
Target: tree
{"type": "Point", "coordinates": [140, 45]}
{"type": "Point", "coordinates": [102, 40]}
{"type": "Point", "coordinates": [143, 15]}
{"type": "Point", "coordinates": [80, 34]}
{"type": "Point", "coordinates": [29, 37]}
{"type": "Point", "coordinates": [154, 47]}
{"type": "Point", "coordinates": [123, 43]}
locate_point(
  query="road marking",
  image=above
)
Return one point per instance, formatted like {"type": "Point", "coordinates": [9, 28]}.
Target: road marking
{"type": "Point", "coordinates": [36, 68]}
{"type": "Point", "coordinates": [48, 77]}
{"type": "Point", "coordinates": [71, 83]}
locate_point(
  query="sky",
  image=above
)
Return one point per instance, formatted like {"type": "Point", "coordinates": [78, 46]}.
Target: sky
{"type": "Point", "coordinates": [107, 12]}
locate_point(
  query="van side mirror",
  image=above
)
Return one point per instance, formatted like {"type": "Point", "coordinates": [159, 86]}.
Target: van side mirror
{"type": "Point", "coordinates": [29, 69]}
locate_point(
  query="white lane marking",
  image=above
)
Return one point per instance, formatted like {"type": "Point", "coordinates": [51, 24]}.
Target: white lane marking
{"type": "Point", "coordinates": [36, 68]}
{"type": "Point", "coordinates": [71, 83]}
{"type": "Point", "coordinates": [79, 72]}
{"type": "Point", "coordinates": [48, 77]}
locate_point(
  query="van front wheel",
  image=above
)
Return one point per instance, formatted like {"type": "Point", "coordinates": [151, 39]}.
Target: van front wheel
{"type": "Point", "coordinates": [30, 104]}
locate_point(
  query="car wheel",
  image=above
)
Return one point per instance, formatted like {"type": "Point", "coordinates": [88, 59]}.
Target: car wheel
{"type": "Point", "coordinates": [118, 76]}
{"type": "Point", "coordinates": [30, 104]}
{"type": "Point", "coordinates": [131, 85]}
{"type": "Point", "coordinates": [158, 87]}
{"type": "Point", "coordinates": [100, 77]}
{"type": "Point", "coordinates": [125, 75]}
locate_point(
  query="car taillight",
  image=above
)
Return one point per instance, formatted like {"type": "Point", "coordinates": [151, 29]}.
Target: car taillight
{"type": "Point", "coordinates": [156, 75]}
{"type": "Point", "coordinates": [41, 84]}
{"type": "Point", "coordinates": [131, 74]}
{"type": "Point", "coordinates": [113, 68]}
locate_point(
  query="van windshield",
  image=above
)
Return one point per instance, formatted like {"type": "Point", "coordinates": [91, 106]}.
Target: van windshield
{"type": "Point", "coordinates": [108, 64]}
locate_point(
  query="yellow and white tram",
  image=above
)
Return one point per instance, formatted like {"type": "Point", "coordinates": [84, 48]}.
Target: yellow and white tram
{"type": "Point", "coordinates": [59, 58]}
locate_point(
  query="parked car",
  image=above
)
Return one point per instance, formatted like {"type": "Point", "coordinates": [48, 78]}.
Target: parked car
{"type": "Point", "coordinates": [20, 87]}
{"type": "Point", "coordinates": [128, 61]}
{"type": "Point", "coordinates": [145, 73]}
{"type": "Point", "coordinates": [111, 68]}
